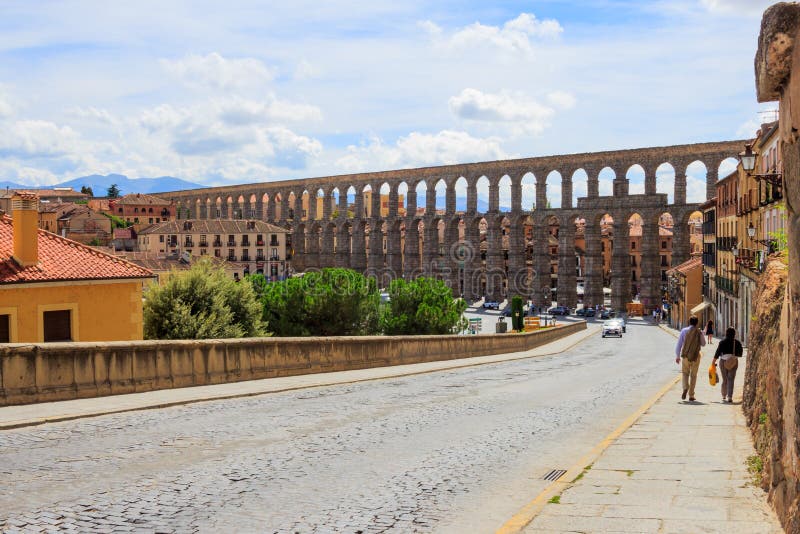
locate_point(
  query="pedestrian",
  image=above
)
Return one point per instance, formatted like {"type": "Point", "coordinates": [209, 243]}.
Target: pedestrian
{"type": "Point", "coordinates": [687, 353]}
{"type": "Point", "coordinates": [710, 331]}
{"type": "Point", "coordinates": [728, 352]}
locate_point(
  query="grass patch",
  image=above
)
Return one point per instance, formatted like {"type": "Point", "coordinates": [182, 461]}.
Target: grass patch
{"type": "Point", "coordinates": [762, 419]}
{"type": "Point", "coordinates": [556, 499]}
{"type": "Point", "coordinates": [755, 466]}
{"type": "Point", "coordinates": [580, 476]}
{"type": "Point", "coordinates": [630, 472]}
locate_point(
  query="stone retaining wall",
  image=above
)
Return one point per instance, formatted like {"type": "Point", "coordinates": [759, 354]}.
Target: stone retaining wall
{"type": "Point", "coordinates": [61, 371]}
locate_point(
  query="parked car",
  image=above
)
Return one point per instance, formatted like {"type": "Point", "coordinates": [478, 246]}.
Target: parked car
{"type": "Point", "coordinates": [605, 314]}
{"type": "Point", "coordinates": [491, 305]}
{"type": "Point", "coordinates": [589, 312]}
{"type": "Point", "coordinates": [558, 310]}
{"type": "Point", "coordinates": [612, 328]}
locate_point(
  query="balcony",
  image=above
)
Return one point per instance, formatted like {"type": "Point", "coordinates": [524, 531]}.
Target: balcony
{"type": "Point", "coordinates": [726, 285]}
{"type": "Point", "coordinates": [217, 243]}
{"type": "Point", "coordinates": [245, 242]}
{"type": "Point", "coordinates": [188, 243]}
{"type": "Point", "coordinates": [260, 243]}
{"type": "Point", "coordinates": [259, 257]}
{"type": "Point", "coordinates": [231, 244]}
{"type": "Point", "coordinates": [274, 258]}
{"type": "Point", "coordinates": [274, 243]}
{"type": "Point", "coordinates": [245, 257]}
{"type": "Point", "coordinates": [709, 259]}
{"type": "Point", "coordinates": [231, 257]}
{"type": "Point", "coordinates": [726, 243]}
{"type": "Point", "coordinates": [204, 244]}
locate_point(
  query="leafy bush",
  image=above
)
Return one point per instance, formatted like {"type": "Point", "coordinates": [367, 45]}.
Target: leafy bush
{"type": "Point", "coordinates": [201, 303]}
{"type": "Point", "coordinates": [423, 306]}
{"type": "Point", "coordinates": [330, 302]}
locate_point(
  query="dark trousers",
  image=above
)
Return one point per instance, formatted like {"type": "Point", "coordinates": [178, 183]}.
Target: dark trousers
{"type": "Point", "coordinates": [728, 376]}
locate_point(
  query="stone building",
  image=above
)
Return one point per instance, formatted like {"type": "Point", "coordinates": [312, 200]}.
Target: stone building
{"type": "Point", "coordinates": [706, 310]}
{"type": "Point", "coordinates": [142, 210]}
{"type": "Point", "coordinates": [250, 246]}
{"type": "Point", "coordinates": [727, 277]}
{"type": "Point", "coordinates": [685, 290]}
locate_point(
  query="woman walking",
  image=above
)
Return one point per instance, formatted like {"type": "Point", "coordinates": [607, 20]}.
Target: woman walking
{"type": "Point", "coordinates": [728, 352]}
{"type": "Point", "coordinates": [710, 331]}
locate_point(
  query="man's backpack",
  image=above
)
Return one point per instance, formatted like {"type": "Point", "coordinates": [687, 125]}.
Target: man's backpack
{"type": "Point", "coordinates": [691, 345]}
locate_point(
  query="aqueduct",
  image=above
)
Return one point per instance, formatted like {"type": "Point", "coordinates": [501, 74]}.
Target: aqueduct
{"type": "Point", "coordinates": [486, 251]}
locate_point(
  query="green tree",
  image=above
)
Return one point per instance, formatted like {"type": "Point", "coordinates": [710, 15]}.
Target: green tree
{"type": "Point", "coordinates": [87, 190]}
{"type": "Point", "coordinates": [423, 306]}
{"type": "Point", "coordinates": [201, 303]}
{"type": "Point", "coordinates": [113, 191]}
{"type": "Point", "coordinates": [330, 302]}
{"type": "Point", "coordinates": [517, 314]}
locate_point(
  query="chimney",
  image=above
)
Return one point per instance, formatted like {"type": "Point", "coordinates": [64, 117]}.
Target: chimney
{"type": "Point", "coordinates": [25, 216]}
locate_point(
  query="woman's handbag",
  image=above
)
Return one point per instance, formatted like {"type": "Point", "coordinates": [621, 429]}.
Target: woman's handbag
{"type": "Point", "coordinates": [712, 375]}
{"type": "Point", "coordinates": [730, 363]}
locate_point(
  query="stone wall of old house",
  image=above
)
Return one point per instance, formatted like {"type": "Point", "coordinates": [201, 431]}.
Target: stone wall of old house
{"type": "Point", "coordinates": [59, 371]}
{"type": "Point", "coordinates": [771, 402]}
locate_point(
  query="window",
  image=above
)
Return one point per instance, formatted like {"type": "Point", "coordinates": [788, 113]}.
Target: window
{"type": "Point", "coordinates": [5, 329]}
{"type": "Point", "coordinates": [57, 325]}
{"type": "Point", "coordinates": [120, 210]}
{"type": "Point", "coordinates": [633, 245]}
{"type": "Point", "coordinates": [274, 254]}
{"type": "Point", "coordinates": [151, 220]}
{"type": "Point", "coordinates": [664, 244]}
{"type": "Point", "coordinates": [161, 238]}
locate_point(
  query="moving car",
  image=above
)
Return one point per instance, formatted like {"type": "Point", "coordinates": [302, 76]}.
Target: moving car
{"type": "Point", "coordinates": [585, 312]}
{"type": "Point", "coordinates": [612, 328]}
{"type": "Point", "coordinates": [621, 322]}
{"type": "Point", "coordinates": [491, 305]}
{"type": "Point", "coordinates": [558, 310]}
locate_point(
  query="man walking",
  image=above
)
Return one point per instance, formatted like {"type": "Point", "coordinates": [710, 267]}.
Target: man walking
{"type": "Point", "coordinates": [687, 353]}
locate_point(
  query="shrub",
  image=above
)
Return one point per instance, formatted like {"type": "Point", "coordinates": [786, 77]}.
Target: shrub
{"type": "Point", "coordinates": [201, 303]}
{"type": "Point", "coordinates": [423, 306]}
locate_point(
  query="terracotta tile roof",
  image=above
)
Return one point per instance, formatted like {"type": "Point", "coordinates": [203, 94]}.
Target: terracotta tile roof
{"type": "Point", "coordinates": [47, 193]}
{"type": "Point", "coordinates": [61, 260]}
{"type": "Point", "coordinates": [137, 199]}
{"type": "Point", "coordinates": [689, 265]}
{"type": "Point", "coordinates": [212, 226]}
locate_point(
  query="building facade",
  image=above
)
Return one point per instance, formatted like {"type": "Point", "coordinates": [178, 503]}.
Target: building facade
{"type": "Point", "coordinates": [142, 210]}
{"type": "Point", "coordinates": [727, 269]}
{"type": "Point", "coordinates": [249, 246]}
{"type": "Point", "coordinates": [686, 291]}
{"type": "Point", "coordinates": [53, 289]}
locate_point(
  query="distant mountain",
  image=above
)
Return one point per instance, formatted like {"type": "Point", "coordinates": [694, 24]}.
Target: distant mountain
{"type": "Point", "coordinates": [100, 184]}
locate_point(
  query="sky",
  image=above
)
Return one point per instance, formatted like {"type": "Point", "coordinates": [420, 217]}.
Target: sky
{"type": "Point", "coordinates": [246, 91]}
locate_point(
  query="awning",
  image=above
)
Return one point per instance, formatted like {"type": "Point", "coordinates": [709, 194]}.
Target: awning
{"type": "Point", "coordinates": [700, 307]}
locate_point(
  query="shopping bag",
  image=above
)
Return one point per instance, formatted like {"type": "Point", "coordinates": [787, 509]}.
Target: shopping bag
{"type": "Point", "coordinates": [712, 375]}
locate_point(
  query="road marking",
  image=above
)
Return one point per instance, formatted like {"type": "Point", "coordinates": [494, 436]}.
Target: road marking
{"type": "Point", "coordinates": [528, 512]}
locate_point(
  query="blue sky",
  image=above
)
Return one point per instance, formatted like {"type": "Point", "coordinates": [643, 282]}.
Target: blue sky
{"type": "Point", "coordinates": [257, 91]}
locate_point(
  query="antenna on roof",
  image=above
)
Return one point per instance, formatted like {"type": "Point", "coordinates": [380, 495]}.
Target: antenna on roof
{"type": "Point", "coordinates": [768, 115]}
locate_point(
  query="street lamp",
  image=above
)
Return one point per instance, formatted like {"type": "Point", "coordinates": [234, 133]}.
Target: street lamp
{"type": "Point", "coordinates": [748, 159]}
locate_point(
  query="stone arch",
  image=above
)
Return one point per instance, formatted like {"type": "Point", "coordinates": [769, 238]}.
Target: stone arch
{"type": "Point", "coordinates": [697, 175]}
{"type": "Point", "coordinates": [527, 184]}
{"type": "Point", "coordinates": [605, 181]}
{"type": "Point", "coordinates": [665, 180]}
{"type": "Point", "coordinates": [440, 202]}
{"type": "Point", "coordinates": [482, 188]}
{"type": "Point", "coordinates": [580, 185]}
{"type": "Point", "coordinates": [460, 190]}
{"type": "Point", "coordinates": [504, 193]}
{"type": "Point", "coordinates": [554, 182]}
{"type": "Point", "coordinates": [636, 175]}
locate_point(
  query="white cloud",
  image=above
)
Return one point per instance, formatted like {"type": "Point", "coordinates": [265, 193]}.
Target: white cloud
{"type": "Point", "coordinates": [748, 129]}
{"type": "Point", "coordinates": [524, 114]}
{"type": "Point", "coordinates": [418, 149]}
{"type": "Point", "coordinates": [242, 111]}
{"type": "Point", "coordinates": [514, 36]}
{"type": "Point", "coordinates": [305, 70]}
{"type": "Point", "coordinates": [5, 108]}
{"type": "Point", "coordinates": [218, 72]}
{"type": "Point", "coordinates": [92, 114]}
{"type": "Point", "coordinates": [740, 7]}
{"type": "Point", "coordinates": [36, 138]}
{"type": "Point", "coordinates": [561, 99]}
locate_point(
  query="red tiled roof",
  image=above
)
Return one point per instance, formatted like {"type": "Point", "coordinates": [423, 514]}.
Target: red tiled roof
{"type": "Point", "coordinates": [688, 265]}
{"type": "Point", "coordinates": [61, 260]}
{"type": "Point", "coordinates": [137, 199]}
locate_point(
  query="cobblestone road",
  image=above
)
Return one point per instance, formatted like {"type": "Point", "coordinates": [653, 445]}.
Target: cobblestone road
{"type": "Point", "coordinates": [451, 451]}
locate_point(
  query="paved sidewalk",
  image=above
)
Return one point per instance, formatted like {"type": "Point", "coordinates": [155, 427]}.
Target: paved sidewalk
{"type": "Point", "coordinates": [35, 414]}
{"type": "Point", "coordinates": [681, 468]}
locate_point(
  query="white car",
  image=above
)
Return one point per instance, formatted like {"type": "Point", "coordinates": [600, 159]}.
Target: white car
{"type": "Point", "coordinates": [612, 327]}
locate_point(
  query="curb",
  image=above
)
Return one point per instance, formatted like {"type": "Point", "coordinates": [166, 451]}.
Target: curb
{"type": "Point", "coordinates": [71, 417]}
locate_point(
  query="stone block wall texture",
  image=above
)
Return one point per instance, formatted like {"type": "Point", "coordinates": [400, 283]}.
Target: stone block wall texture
{"type": "Point", "coordinates": [771, 401]}
{"type": "Point", "coordinates": [62, 371]}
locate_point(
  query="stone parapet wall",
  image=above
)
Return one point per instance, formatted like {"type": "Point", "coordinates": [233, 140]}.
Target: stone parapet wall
{"type": "Point", "coordinates": [62, 371]}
